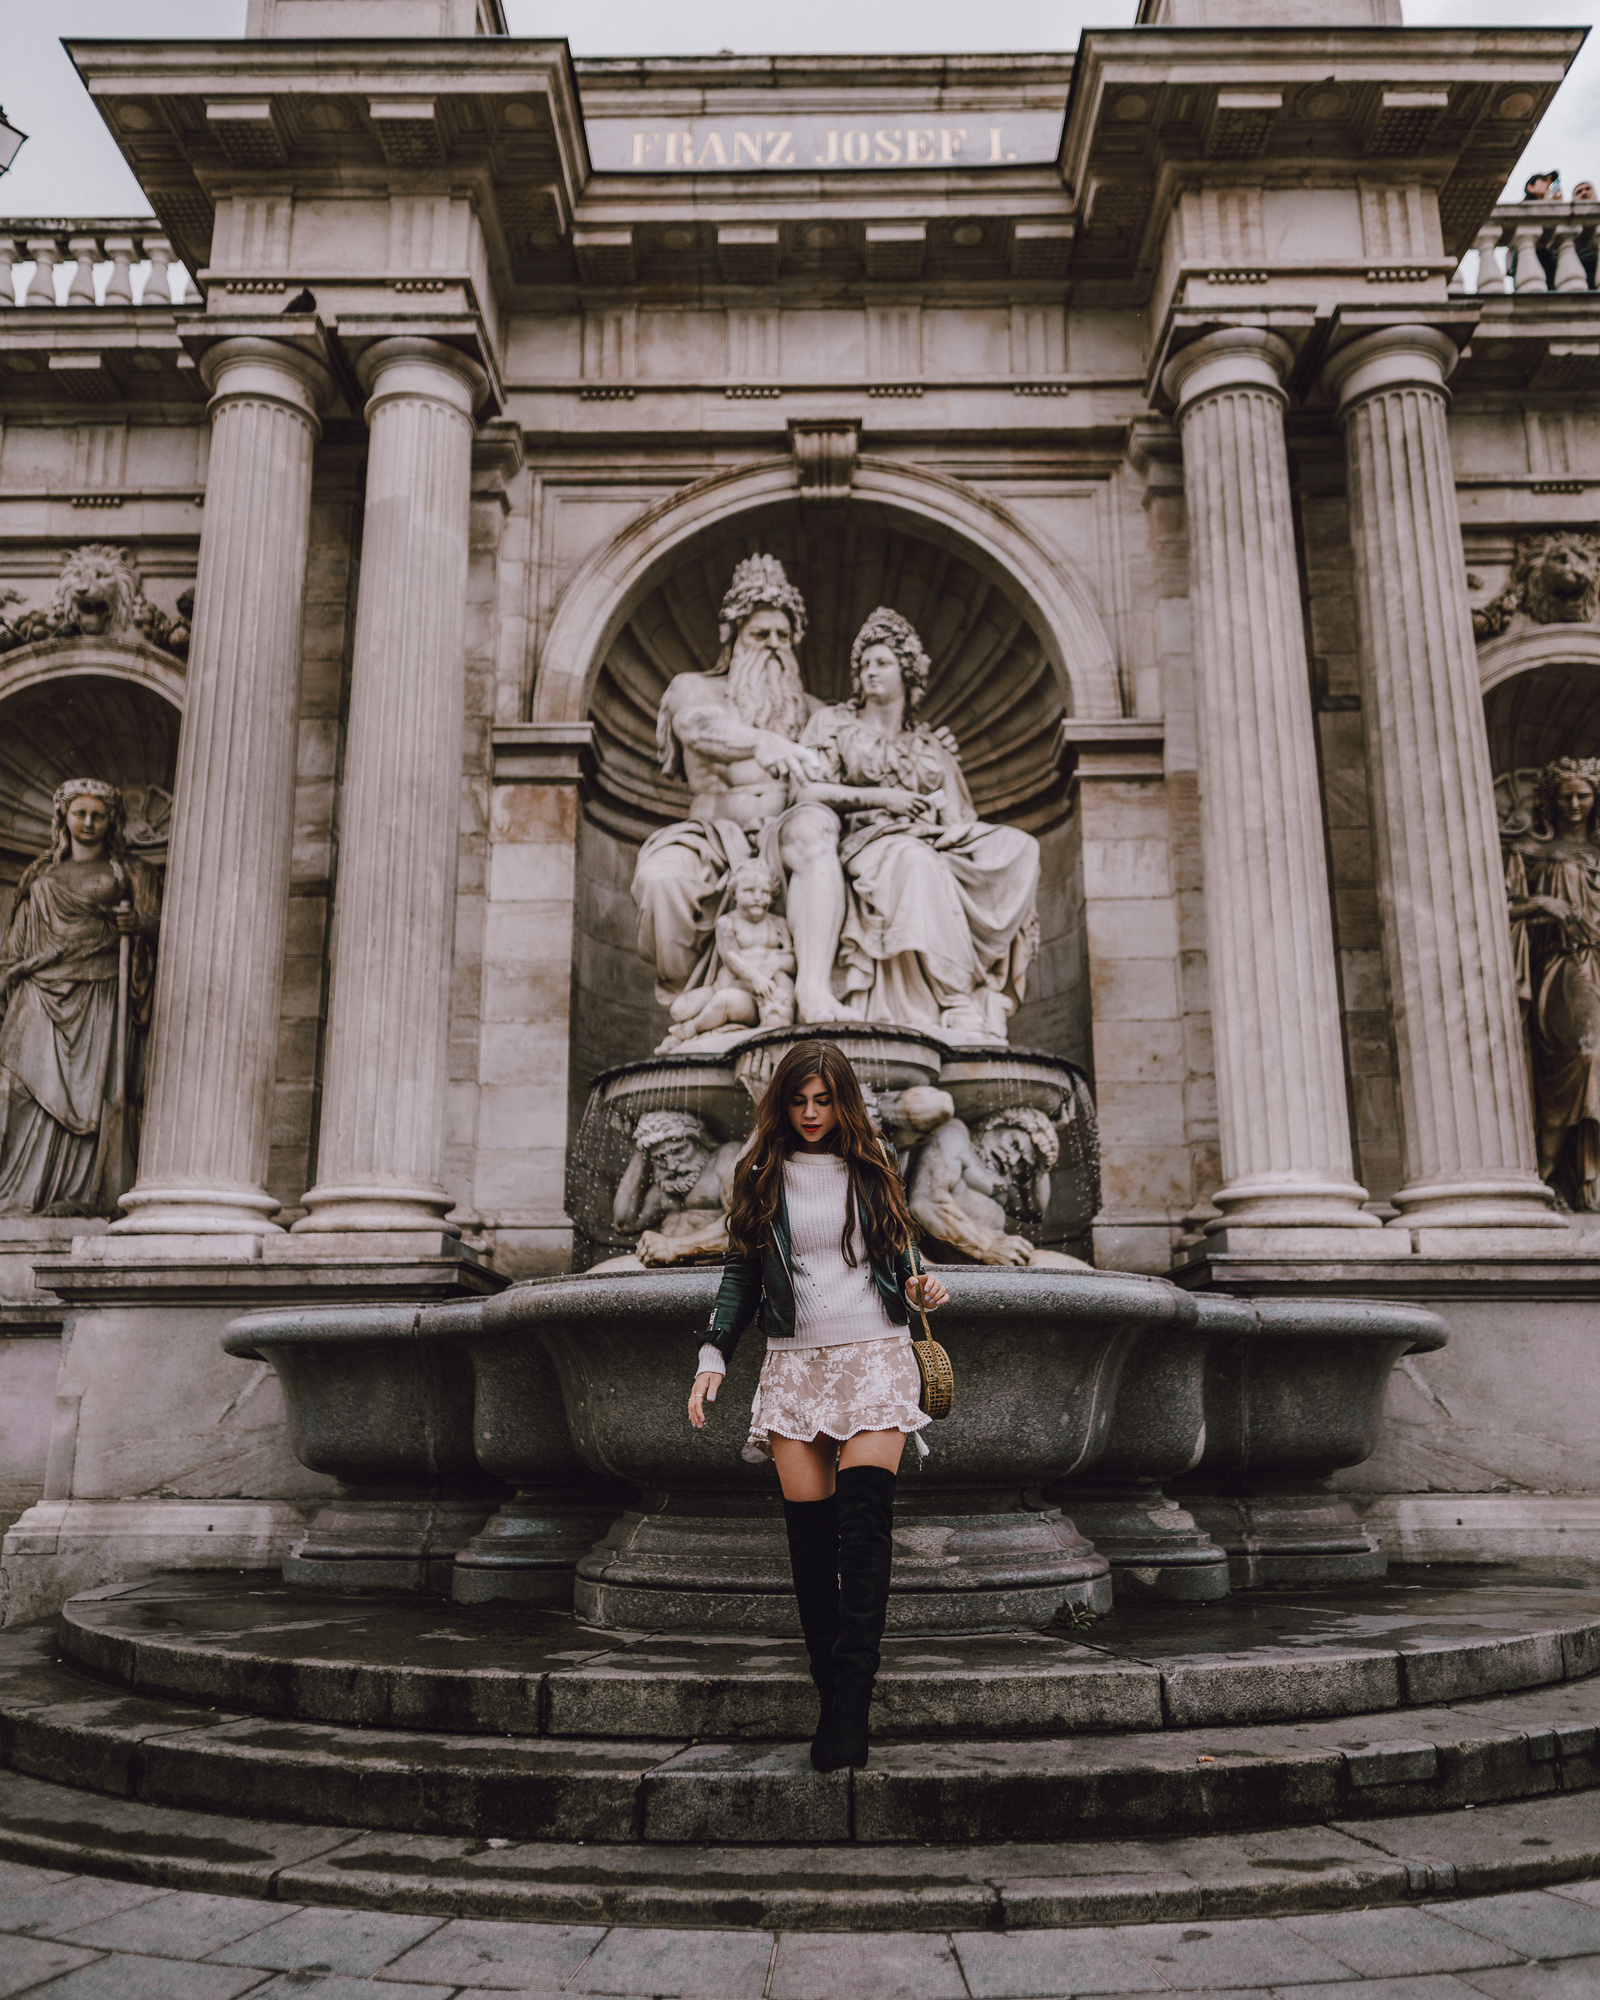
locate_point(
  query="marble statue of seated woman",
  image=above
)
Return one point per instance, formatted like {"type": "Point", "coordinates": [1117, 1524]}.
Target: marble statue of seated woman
{"type": "Point", "coordinates": [939, 925]}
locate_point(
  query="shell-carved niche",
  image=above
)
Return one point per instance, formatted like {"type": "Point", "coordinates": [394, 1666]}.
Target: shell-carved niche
{"type": "Point", "coordinates": [992, 683]}
{"type": "Point", "coordinates": [98, 595]}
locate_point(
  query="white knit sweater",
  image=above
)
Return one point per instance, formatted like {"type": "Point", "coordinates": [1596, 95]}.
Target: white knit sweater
{"type": "Point", "coordinates": [834, 1302]}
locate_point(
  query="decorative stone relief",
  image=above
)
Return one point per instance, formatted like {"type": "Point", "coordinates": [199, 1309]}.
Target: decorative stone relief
{"type": "Point", "coordinates": [969, 1189]}
{"type": "Point", "coordinates": [99, 595]}
{"type": "Point", "coordinates": [673, 1191]}
{"type": "Point", "coordinates": [1555, 579]}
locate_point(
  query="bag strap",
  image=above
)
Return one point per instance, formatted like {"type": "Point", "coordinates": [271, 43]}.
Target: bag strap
{"type": "Point", "coordinates": [916, 1272]}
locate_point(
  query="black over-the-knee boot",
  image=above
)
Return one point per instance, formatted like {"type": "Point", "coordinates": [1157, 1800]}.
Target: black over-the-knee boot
{"type": "Point", "coordinates": [813, 1527]}
{"type": "Point", "coordinates": [865, 1494]}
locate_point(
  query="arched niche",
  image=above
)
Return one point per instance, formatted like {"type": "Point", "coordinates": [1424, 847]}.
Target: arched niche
{"type": "Point", "coordinates": [1541, 700]}
{"type": "Point", "coordinates": [80, 708]}
{"type": "Point", "coordinates": [606, 590]}
{"type": "Point", "coordinates": [1002, 681]}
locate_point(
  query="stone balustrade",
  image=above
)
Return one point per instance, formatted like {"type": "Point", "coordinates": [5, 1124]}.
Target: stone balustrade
{"type": "Point", "coordinates": [1568, 232]}
{"type": "Point", "coordinates": [31, 250]}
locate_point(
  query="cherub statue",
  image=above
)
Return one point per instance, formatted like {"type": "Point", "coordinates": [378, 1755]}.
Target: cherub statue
{"type": "Point", "coordinates": [964, 1189]}
{"type": "Point", "coordinates": [672, 1189]}
{"type": "Point", "coordinates": [754, 982]}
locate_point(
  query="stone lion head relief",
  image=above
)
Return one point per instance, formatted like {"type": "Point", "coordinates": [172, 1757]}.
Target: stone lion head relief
{"type": "Point", "coordinates": [98, 595]}
{"type": "Point", "coordinates": [1555, 580]}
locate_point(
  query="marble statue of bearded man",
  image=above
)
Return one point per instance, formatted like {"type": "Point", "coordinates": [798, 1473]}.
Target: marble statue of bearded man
{"type": "Point", "coordinates": [732, 734]}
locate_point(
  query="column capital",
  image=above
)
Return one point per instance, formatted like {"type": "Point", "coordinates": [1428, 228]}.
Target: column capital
{"type": "Point", "coordinates": [416, 365]}
{"type": "Point", "coordinates": [1395, 357]}
{"type": "Point", "coordinates": [1234, 357]}
{"type": "Point", "coordinates": [263, 369]}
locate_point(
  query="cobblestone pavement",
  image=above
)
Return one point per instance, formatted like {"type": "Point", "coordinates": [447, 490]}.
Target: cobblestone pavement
{"type": "Point", "coordinates": [81, 1937]}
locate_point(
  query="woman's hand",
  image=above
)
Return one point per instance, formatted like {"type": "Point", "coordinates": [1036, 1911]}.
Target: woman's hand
{"type": "Point", "coordinates": [127, 919]}
{"type": "Point", "coordinates": [926, 1291]}
{"type": "Point", "coordinates": [704, 1391]}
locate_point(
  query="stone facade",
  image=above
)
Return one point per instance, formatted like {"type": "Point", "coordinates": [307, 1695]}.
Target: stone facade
{"type": "Point", "coordinates": [1173, 392]}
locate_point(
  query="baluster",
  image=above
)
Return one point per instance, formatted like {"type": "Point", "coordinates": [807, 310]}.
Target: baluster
{"type": "Point", "coordinates": [1570, 275]}
{"type": "Point", "coordinates": [10, 257]}
{"type": "Point", "coordinates": [84, 249]}
{"type": "Point", "coordinates": [119, 287]}
{"type": "Point", "coordinates": [46, 254]}
{"type": "Point", "coordinates": [1525, 247]}
{"type": "Point", "coordinates": [1490, 276]}
{"type": "Point", "coordinates": [158, 286]}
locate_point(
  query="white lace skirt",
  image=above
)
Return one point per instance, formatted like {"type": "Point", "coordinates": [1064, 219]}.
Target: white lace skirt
{"type": "Point", "coordinates": [807, 1392]}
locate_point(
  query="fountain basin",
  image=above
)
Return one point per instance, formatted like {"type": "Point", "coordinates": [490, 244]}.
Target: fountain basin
{"type": "Point", "coordinates": [389, 1415]}
{"type": "Point", "coordinates": [1289, 1400]}
{"type": "Point", "coordinates": [1155, 1547]}
{"type": "Point", "coordinates": [1037, 1357]}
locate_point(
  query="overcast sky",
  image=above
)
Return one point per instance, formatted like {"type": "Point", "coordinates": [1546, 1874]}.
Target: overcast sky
{"type": "Point", "coordinates": [71, 167]}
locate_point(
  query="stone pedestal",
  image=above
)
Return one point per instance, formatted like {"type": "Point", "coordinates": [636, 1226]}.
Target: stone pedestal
{"type": "Point", "coordinates": [1285, 1135]}
{"type": "Point", "coordinates": [1466, 1118]}
{"type": "Point", "coordinates": [219, 971]}
{"type": "Point", "coordinates": [381, 1141]}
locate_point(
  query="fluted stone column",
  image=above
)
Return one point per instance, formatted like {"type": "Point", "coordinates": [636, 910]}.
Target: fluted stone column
{"type": "Point", "coordinates": [1285, 1129]}
{"type": "Point", "coordinates": [1466, 1119]}
{"type": "Point", "coordinates": [219, 970]}
{"type": "Point", "coordinates": [381, 1144]}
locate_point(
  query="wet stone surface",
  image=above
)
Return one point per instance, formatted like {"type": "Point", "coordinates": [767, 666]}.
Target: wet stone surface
{"type": "Point", "coordinates": [255, 1645]}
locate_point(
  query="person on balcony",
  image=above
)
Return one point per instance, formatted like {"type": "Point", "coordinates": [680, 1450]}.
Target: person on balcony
{"type": "Point", "coordinates": [1588, 253]}
{"type": "Point", "coordinates": [1537, 187]}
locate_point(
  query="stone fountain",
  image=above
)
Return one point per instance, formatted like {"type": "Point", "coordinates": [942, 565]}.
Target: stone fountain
{"type": "Point", "coordinates": [834, 882]}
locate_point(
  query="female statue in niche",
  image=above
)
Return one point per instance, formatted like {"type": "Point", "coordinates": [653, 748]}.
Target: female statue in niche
{"type": "Point", "coordinates": [1553, 882]}
{"type": "Point", "coordinates": [59, 979]}
{"type": "Point", "coordinates": [939, 925]}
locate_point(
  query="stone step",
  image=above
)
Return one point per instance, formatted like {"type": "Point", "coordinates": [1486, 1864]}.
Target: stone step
{"type": "Point", "coordinates": [1281, 1872]}
{"type": "Point", "coordinates": [253, 1644]}
{"type": "Point", "coordinates": [58, 1725]}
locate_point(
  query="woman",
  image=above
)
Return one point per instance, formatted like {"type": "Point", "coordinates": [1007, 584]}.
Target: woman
{"type": "Point", "coordinates": [821, 1251]}
{"type": "Point", "coordinates": [1553, 887]}
{"type": "Point", "coordinates": [58, 985]}
{"type": "Point", "coordinates": [940, 927]}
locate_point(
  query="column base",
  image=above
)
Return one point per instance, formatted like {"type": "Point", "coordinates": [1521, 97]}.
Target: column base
{"type": "Point", "coordinates": [1489, 1202]}
{"type": "Point", "coordinates": [185, 1212]}
{"type": "Point", "coordinates": [1297, 1201]}
{"type": "Point", "coordinates": [376, 1210]}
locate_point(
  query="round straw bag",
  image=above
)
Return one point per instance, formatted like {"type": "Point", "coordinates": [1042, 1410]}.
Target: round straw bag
{"type": "Point", "coordinates": [933, 1364]}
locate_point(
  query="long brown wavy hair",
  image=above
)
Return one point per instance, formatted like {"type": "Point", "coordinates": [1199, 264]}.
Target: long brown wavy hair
{"type": "Point", "coordinates": [874, 1182]}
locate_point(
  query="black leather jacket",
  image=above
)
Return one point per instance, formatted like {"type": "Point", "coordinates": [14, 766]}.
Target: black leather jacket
{"type": "Point", "coordinates": [763, 1284]}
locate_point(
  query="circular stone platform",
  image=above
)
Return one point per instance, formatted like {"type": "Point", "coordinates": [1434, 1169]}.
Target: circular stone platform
{"type": "Point", "coordinates": [1421, 1636]}
{"type": "Point", "coordinates": [238, 1695]}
